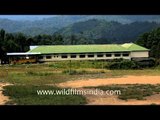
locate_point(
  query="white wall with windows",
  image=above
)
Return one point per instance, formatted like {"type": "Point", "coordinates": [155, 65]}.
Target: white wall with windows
{"type": "Point", "coordinates": [84, 56]}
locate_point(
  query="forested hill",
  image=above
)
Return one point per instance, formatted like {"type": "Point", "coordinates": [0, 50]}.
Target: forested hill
{"type": "Point", "coordinates": [101, 31]}
{"type": "Point", "coordinates": [35, 26]}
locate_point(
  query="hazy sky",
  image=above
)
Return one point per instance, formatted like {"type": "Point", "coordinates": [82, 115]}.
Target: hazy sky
{"type": "Point", "coordinates": [40, 17]}
{"type": "Point", "coordinates": [26, 17]}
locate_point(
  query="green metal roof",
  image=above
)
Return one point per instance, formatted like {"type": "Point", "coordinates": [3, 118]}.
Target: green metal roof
{"type": "Point", "coordinates": [45, 49]}
{"type": "Point", "coordinates": [134, 47]}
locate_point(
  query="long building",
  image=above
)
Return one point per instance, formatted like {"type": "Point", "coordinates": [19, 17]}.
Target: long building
{"type": "Point", "coordinates": [48, 53]}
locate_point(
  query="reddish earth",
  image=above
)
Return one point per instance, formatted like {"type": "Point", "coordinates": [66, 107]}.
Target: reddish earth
{"type": "Point", "coordinates": [3, 99]}
{"type": "Point", "coordinates": [110, 81]}
{"type": "Point", "coordinates": [113, 100]}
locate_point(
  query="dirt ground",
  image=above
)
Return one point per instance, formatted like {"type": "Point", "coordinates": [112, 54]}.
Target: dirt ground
{"type": "Point", "coordinates": [104, 99]}
{"type": "Point", "coordinates": [3, 99]}
{"type": "Point", "coordinates": [110, 81]}
{"type": "Point", "coordinates": [113, 100]}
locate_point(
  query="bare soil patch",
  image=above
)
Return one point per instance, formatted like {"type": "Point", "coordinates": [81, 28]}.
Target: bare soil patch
{"type": "Point", "coordinates": [3, 98]}
{"type": "Point", "coordinates": [111, 81]}
{"type": "Point", "coordinates": [113, 99]}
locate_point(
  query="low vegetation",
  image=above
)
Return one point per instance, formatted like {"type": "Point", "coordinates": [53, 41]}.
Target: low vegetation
{"type": "Point", "coordinates": [28, 78]}
{"type": "Point", "coordinates": [124, 64]}
{"type": "Point", "coordinates": [78, 64]}
{"type": "Point", "coordinates": [81, 72]}
{"type": "Point", "coordinates": [32, 73]}
{"type": "Point", "coordinates": [138, 92]}
{"type": "Point", "coordinates": [128, 64]}
{"type": "Point", "coordinates": [27, 95]}
{"type": "Point", "coordinates": [48, 74]}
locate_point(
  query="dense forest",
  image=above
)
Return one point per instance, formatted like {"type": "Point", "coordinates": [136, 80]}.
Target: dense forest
{"type": "Point", "coordinates": [108, 32]}
{"type": "Point", "coordinates": [19, 42]}
{"type": "Point", "coordinates": [151, 40]}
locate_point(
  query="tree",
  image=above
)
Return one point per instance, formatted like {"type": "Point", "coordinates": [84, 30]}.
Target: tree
{"type": "Point", "coordinates": [151, 40]}
{"type": "Point", "coordinates": [21, 40]}
{"type": "Point", "coordinates": [58, 40]}
{"type": "Point", "coordinates": [73, 39]}
{"type": "Point", "coordinates": [2, 48]}
{"type": "Point", "coordinates": [2, 34]}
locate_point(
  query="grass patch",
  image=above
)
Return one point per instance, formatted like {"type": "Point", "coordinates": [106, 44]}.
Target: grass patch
{"type": "Point", "coordinates": [36, 79]}
{"type": "Point", "coordinates": [38, 73]}
{"type": "Point", "coordinates": [27, 95]}
{"type": "Point", "coordinates": [138, 92]}
{"type": "Point", "coordinates": [78, 64]}
{"type": "Point", "coordinates": [81, 72]}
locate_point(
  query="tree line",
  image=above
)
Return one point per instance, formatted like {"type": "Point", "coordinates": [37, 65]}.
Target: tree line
{"type": "Point", "coordinates": [19, 42]}
{"type": "Point", "coordinates": [151, 40]}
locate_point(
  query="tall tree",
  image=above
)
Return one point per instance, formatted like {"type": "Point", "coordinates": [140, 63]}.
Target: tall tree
{"type": "Point", "coordinates": [151, 40]}
{"type": "Point", "coordinates": [20, 38]}
{"type": "Point", "coordinates": [58, 40]}
{"type": "Point", "coordinates": [2, 48]}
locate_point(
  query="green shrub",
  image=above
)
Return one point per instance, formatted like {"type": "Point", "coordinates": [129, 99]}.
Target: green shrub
{"type": "Point", "coordinates": [70, 72]}
{"type": "Point", "coordinates": [138, 92]}
{"type": "Point", "coordinates": [126, 64]}
{"type": "Point", "coordinates": [147, 63]}
{"type": "Point", "coordinates": [123, 64]}
{"type": "Point", "coordinates": [31, 73]}
{"type": "Point", "coordinates": [81, 72]}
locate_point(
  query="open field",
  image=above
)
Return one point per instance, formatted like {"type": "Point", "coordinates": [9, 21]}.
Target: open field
{"type": "Point", "coordinates": [27, 78]}
{"type": "Point", "coordinates": [111, 81]}
{"type": "Point", "coordinates": [27, 95]}
{"type": "Point", "coordinates": [135, 94]}
{"type": "Point", "coordinates": [56, 73]}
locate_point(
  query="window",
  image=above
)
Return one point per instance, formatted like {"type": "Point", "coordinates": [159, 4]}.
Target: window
{"type": "Point", "coordinates": [40, 57]}
{"type": "Point", "coordinates": [73, 56]}
{"type": "Point", "coordinates": [90, 56]}
{"type": "Point", "coordinates": [100, 55]}
{"type": "Point", "coordinates": [117, 55]}
{"type": "Point", "coordinates": [108, 55]}
{"type": "Point", "coordinates": [82, 56]}
{"type": "Point", "coordinates": [48, 57]}
{"type": "Point", "coordinates": [125, 54]}
{"type": "Point", "coordinates": [64, 56]}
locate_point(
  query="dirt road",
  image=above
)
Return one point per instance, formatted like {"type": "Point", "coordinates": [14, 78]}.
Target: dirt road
{"type": "Point", "coordinates": [110, 81]}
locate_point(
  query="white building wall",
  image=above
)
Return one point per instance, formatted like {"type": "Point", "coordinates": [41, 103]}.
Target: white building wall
{"type": "Point", "coordinates": [104, 57]}
{"type": "Point", "coordinates": [139, 54]}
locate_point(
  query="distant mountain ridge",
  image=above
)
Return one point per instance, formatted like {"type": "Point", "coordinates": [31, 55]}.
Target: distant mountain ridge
{"type": "Point", "coordinates": [102, 31]}
{"type": "Point", "coordinates": [51, 25]}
